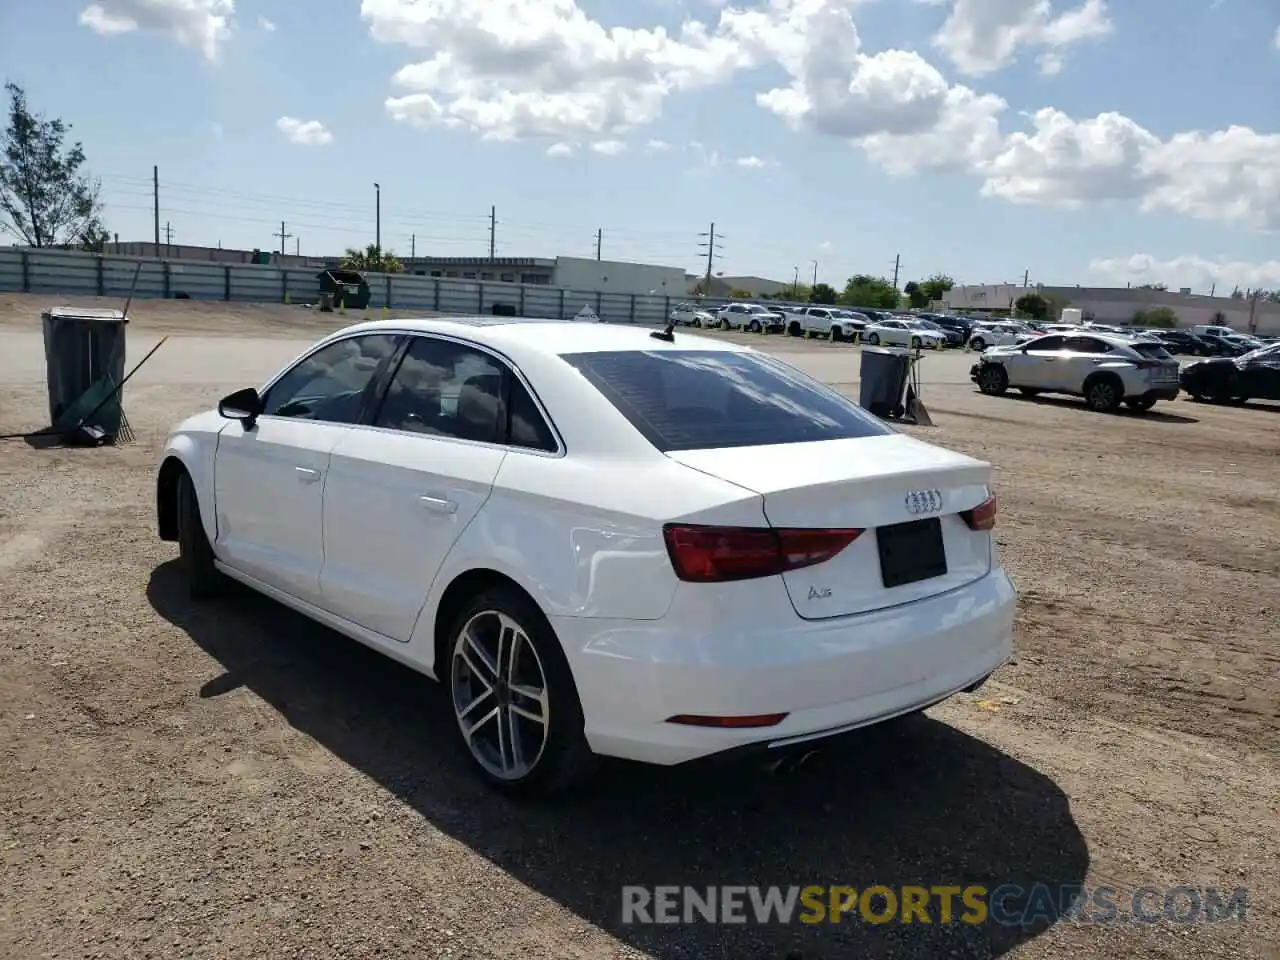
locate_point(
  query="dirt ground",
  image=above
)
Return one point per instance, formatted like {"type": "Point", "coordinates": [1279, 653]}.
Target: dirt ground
{"type": "Point", "coordinates": [234, 781]}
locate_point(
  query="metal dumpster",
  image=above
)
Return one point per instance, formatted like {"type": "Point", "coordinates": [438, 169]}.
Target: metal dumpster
{"type": "Point", "coordinates": [84, 362]}
{"type": "Point", "coordinates": [883, 380]}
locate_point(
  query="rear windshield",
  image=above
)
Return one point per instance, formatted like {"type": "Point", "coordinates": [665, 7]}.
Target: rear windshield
{"type": "Point", "coordinates": [706, 399]}
{"type": "Point", "coordinates": [1152, 351]}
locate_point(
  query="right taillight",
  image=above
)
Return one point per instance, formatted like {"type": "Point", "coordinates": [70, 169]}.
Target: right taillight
{"type": "Point", "coordinates": [983, 516]}
{"type": "Point", "coordinates": [709, 554]}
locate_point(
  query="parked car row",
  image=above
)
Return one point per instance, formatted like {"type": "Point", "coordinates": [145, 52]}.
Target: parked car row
{"type": "Point", "coordinates": [1253, 376]}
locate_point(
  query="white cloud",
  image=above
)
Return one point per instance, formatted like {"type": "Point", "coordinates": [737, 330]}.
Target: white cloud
{"type": "Point", "coordinates": [215, 130]}
{"type": "Point", "coordinates": [1275, 41]}
{"type": "Point", "coordinates": [561, 149]}
{"type": "Point", "coordinates": [305, 133]}
{"type": "Point", "coordinates": [203, 24]}
{"type": "Point", "coordinates": [510, 69]}
{"type": "Point", "coordinates": [609, 148]}
{"type": "Point", "coordinates": [1189, 271]}
{"type": "Point", "coordinates": [754, 163]}
{"type": "Point", "coordinates": [657, 146]}
{"type": "Point", "coordinates": [266, 25]}
{"type": "Point", "coordinates": [515, 69]}
{"type": "Point", "coordinates": [982, 36]}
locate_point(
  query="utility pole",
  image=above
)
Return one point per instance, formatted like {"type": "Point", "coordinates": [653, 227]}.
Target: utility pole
{"type": "Point", "coordinates": [1026, 278]}
{"type": "Point", "coordinates": [168, 237]}
{"type": "Point", "coordinates": [377, 214]}
{"type": "Point", "coordinates": [413, 245]}
{"type": "Point", "coordinates": [897, 265]}
{"type": "Point", "coordinates": [712, 245]}
{"type": "Point", "coordinates": [283, 237]}
{"type": "Point", "coordinates": [815, 273]}
{"type": "Point", "coordinates": [297, 247]}
{"type": "Point", "coordinates": [1213, 289]}
{"type": "Point", "coordinates": [599, 241]}
{"type": "Point", "coordinates": [155, 202]}
{"type": "Point", "coordinates": [493, 230]}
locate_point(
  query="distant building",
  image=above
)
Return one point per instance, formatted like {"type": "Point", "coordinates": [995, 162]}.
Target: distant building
{"type": "Point", "coordinates": [568, 273]}
{"type": "Point", "coordinates": [184, 251]}
{"type": "Point", "coordinates": [756, 286]}
{"type": "Point", "coordinates": [1120, 304]}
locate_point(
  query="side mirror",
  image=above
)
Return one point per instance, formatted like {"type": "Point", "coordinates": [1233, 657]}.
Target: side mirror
{"type": "Point", "coordinates": [243, 405]}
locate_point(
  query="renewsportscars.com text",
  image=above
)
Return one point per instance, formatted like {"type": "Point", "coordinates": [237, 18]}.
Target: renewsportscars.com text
{"type": "Point", "coordinates": [1006, 905]}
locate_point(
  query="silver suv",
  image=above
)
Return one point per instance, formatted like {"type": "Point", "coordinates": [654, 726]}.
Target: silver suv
{"type": "Point", "coordinates": [1106, 369]}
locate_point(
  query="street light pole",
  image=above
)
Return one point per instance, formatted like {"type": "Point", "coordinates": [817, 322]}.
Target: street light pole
{"type": "Point", "coordinates": [795, 284]}
{"type": "Point", "coordinates": [377, 236]}
{"type": "Point", "coordinates": [815, 272]}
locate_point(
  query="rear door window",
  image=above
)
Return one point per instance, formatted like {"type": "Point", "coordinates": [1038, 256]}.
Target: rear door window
{"type": "Point", "coordinates": [707, 399]}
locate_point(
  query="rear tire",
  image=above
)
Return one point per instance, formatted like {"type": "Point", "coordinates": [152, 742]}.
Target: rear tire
{"type": "Point", "coordinates": [874, 339]}
{"type": "Point", "coordinates": [915, 343]}
{"type": "Point", "coordinates": [794, 330]}
{"type": "Point", "coordinates": [552, 755]}
{"type": "Point", "coordinates": [1103, 393]}
{"type": "Point", "coordinates": [194, 552]}
{"type": "Point", "coordinates": [978, 344]}
{"type": "Point", "coordinates": [992, 380]}
{"type": "Point", "coordinates": [755, 326]}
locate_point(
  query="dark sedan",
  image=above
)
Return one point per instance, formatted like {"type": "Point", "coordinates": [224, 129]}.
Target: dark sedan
{"type": "Point", "coordinates": [1254, 376]}
{"type": "Point", "coordinates": [1180, 341]}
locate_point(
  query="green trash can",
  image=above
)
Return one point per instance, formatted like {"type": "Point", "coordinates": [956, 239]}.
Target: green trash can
{"type": "Point", "coordinates": [84, 364]}
{"type": "Point", "coordinates": [350, 289]}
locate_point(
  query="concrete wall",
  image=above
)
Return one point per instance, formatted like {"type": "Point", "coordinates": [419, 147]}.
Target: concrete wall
{"type": "Point", "coordinates": [613, 276]}
{"type": "Point", "coordinates": [1119, 304]}
{"type": "Point", "coordinates": [85, 274]}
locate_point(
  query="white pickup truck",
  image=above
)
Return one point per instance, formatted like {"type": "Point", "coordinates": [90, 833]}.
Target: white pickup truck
{"type": "Point", "coordinates": [825, 322]}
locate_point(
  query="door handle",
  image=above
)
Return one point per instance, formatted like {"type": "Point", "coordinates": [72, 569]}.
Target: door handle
{"type": "Point", "coordinates": [439, 505]}
{"type": "Point", "coordinates": [306, 474]}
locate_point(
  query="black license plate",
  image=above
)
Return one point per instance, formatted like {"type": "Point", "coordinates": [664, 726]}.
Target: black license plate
{"type": "Point", "coordinates": [911, 551]}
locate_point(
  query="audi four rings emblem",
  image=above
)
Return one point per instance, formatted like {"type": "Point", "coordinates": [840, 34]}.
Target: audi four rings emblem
{"type": "Point", "coordinates": [924, 501]}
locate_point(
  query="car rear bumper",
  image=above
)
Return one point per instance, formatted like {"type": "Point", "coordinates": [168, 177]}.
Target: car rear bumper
{"type": "Point", "coordinates": [828, 676]}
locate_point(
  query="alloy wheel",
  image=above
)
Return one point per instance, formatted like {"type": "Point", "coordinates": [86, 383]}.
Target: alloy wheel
{"type": "Point", "coordinates": [500, 695]}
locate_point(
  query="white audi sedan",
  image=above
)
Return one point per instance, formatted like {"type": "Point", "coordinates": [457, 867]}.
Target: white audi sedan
{"type": "Point", "coordinates": [603, 541]}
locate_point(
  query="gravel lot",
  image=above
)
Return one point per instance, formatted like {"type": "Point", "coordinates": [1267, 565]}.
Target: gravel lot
{"type": "Point", "coordinates": [234, 781]}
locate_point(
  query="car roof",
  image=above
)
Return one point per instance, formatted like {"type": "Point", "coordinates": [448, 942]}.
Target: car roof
{"type": "Point", "coordinates": [547, 337]}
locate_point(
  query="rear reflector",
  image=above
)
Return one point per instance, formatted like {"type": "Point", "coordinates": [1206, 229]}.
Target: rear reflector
{"type": "Point", "coordinates": [731, 723]}
{"type": "Point", "coordinates": [983, 516]}
{"type": "Point", "coordinates": [704, 554]}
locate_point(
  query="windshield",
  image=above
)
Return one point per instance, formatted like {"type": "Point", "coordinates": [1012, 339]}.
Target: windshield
{"type": "Point", "coordinates": [756, 308]}
{"type": "Point", "coordinates": [928, 325]}
{"type": "Point", "coordinates": [709, 399]}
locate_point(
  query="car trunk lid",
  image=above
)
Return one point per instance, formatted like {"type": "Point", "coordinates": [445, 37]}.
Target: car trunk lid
{"type": "Point", "coordinates": [908, 497]}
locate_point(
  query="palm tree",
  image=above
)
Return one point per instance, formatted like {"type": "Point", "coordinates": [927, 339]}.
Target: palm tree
{"type": "Point", "coordinates": [371, 260]}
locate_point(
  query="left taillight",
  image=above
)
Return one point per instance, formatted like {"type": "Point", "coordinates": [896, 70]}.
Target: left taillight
{"type": "Point", "coordinates": [983, 516]}
{"type": "Point", "coordinates": [710, 554]}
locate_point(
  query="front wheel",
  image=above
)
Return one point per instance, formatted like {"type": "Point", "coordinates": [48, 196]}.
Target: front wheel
{"type": "Point", "coordinates": [697, 322]}
{"type": "Point", "coordinates": [514, 698]}
{"type": "Point", "coordinates": [874, 339]}
{"type": "Point", "coordinates": [194, 551]}
{"type": "Point", "coordinates": [915, 343]}
{"type": "Point", "coordinates": [978, 344]}
{"type": "Point", "coordinates": [992, 380]}
{"type": "Point", "coordinates": [755, 326]}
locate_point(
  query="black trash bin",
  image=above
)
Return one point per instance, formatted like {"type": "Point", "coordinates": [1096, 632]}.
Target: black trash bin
{"type": "Point", "coordinates": [84, 362]}
{"type": "Point", "coordinates": [883, 381]}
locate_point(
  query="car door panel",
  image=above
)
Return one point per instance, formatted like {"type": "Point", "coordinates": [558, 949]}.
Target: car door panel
{"type": "Point", "coordinates": [269, 477]}
{"type": "Point", "coordinates": [394, 505]}
{"type": "Point", "coordinates": [268, 491]}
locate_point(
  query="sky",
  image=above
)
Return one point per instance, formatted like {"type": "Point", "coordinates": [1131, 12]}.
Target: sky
{"type": "Point", "coordinates": [1065, 141]}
